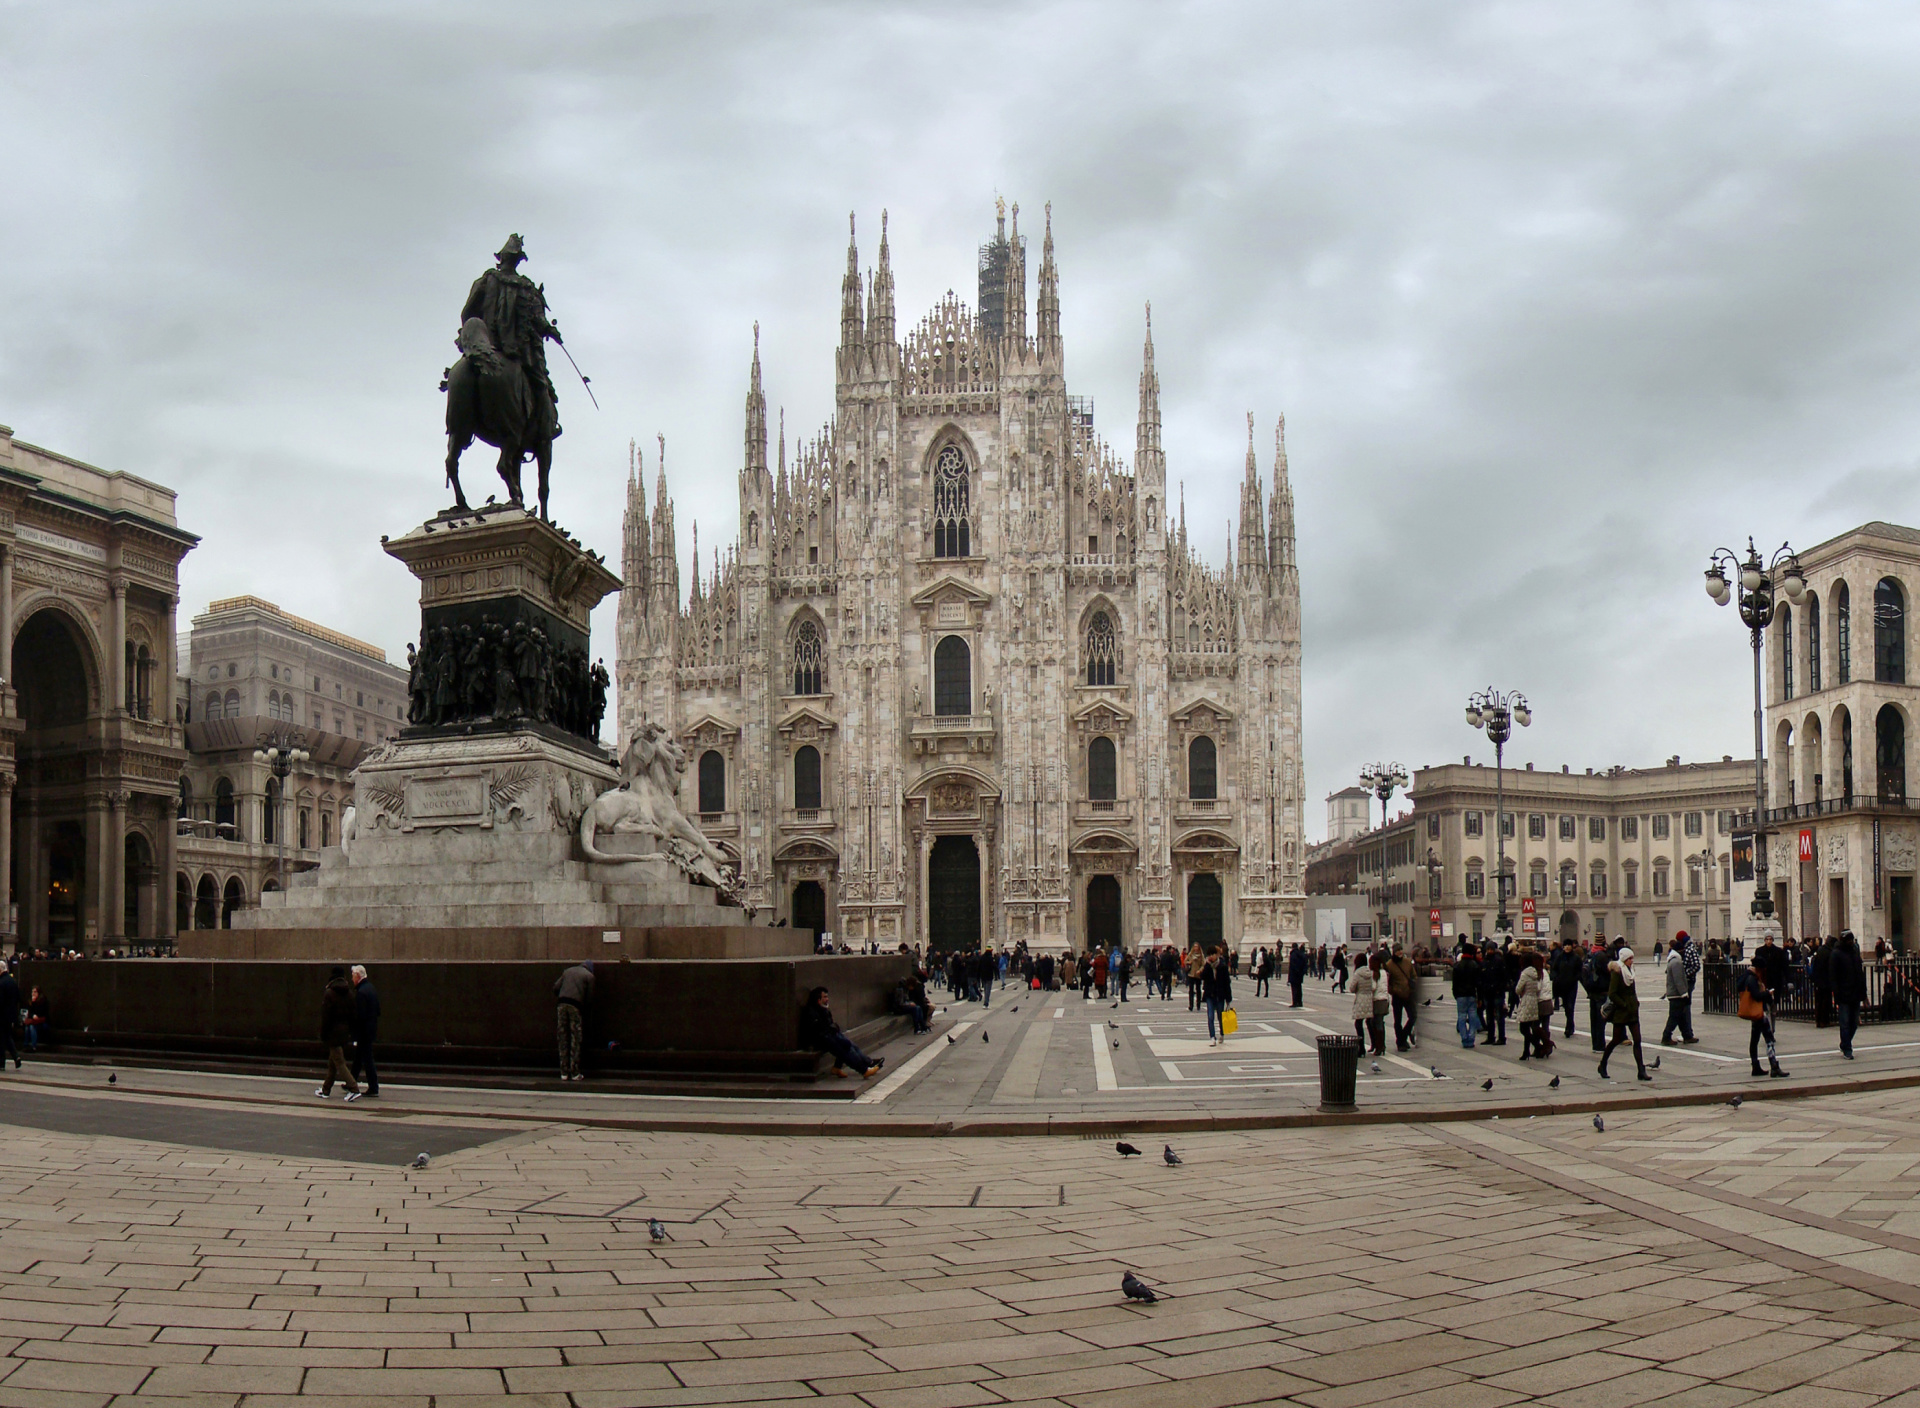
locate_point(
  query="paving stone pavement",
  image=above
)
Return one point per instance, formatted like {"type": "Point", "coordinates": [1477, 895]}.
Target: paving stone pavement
{"type": "Point", "coordinates": [1700, 1255]}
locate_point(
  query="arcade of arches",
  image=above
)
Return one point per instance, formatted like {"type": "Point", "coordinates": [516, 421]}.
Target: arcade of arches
{"type": "Point", "coordinates": [90, 750]}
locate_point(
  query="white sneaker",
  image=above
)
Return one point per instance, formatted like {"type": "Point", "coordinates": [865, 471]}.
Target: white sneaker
{"type": "Point", "coordinates": [352, 1095]}
{"type": "Point", "coordinates": [321, 1093]}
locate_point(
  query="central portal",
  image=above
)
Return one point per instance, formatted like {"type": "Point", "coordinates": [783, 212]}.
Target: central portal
{"type": "Point", "coordinates": [1103, 912]}
{"type": "Point", "coordinates": [953, 894]}
{"type": "Point", "coordinates": [1204, 908]}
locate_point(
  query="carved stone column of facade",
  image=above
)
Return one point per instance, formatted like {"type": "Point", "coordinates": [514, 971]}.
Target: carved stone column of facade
{"type": "Point", "coordinates": [8, 925]}
{"type": "Point", "coordinates": [117, 665]}
{"type": "Point", "coordinates": [166, 920]}
{"type": "Point", "coordinates": [113, 922]}
{"type": "Point", "coordinates": [92, 914]}
{"type": "Point", "coordinates": [6, 617]}
{"type": "Point", "coordinates": [170, 667]}
{"type": "Point", "coordinates": [922, 920]}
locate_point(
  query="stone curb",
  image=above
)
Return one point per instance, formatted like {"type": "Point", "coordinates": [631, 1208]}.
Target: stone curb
{"type": "Point", "coordinates": [834, 1125]}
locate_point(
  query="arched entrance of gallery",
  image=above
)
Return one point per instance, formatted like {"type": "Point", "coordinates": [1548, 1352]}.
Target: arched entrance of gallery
{"type": "Point", "coordinates": [953, 894]}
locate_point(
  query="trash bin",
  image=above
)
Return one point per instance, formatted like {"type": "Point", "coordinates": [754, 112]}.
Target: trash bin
{"type": "Point", "coordinates": [1339, 1071]}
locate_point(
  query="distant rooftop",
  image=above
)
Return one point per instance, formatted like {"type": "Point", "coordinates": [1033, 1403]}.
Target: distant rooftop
{"type": "Point", "coordinates": [298, 623]}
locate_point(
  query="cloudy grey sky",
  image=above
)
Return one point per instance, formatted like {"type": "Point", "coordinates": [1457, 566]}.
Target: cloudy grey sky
{"type": "Point", "coordinates": [1556, 298]}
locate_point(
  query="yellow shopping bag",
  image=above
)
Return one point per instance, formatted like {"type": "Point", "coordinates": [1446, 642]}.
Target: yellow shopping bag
{"type": "Point", "coordinates": [1229, 1022]}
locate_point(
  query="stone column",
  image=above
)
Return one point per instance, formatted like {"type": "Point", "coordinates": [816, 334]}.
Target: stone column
{"type": "Point", "coordinates": [924, 922]}
{"type": "Point", "coordinates": [166, 921]}
{"type": "Point", "coordinates": [169, 667]}
{"type": "Point", "coordinates": [6, 856]}
{"type": "Point", "coordinates": [114, 921]}
{"type": "Point", "coordinates": [91, 914]}
{"type": "Point", "coordinates": [118, 670]}
{"type": "Point", "coordinates": [6, 617]}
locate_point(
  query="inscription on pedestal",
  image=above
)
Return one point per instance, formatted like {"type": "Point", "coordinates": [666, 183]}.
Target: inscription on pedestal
{"type": "Point", "coordinates": [446, 801]}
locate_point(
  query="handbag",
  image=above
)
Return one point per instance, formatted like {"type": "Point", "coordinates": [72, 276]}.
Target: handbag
{"type": "Point", "coordinates": [1751, 1009]}
{"type": "Point", "coordinates": [1229, 1022]}
{"type": "Point", "coordinates": [1381, 1006]}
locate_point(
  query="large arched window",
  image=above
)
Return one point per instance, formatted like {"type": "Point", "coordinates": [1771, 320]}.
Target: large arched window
{"type": "Point", "coordinates": [1100, 649]}
{"type": "Point", "coordinates": [952, 531]}
{"type": "Point", "coordinates": [1890, 748]}
{"type": "Point", "coordinates": [1843, 625]}
{"type": "Point", "coordinates": [713, 782]}
{"type": "Point", "coordinates": [186, 799]}
{"type": "Point", "coordinates": [1813, 643]}
{"type": "Point", "coordinates": [1786, 651]}
{"type": "Point", "coordinates": [1846, 754]}
{"type": "Point", "coordinates": [1102, 770]}
{"type": "Point", "coordinates": [270, 816]}
{"type": "Point", "coordinates": [952, 678]}
{"type": "Point", "coordinates": [223, 814]}
{"type": "Point", "coordinates": [213, 706]}
{"type": "Point", "coordinates": [806, 778]}
{"type": "Point", "coordinates": [1203, 774]}
{"type": "Point", "coordinates": [1889, 633]}
{"type": "Point", "coordinates": [809, 658]}
{"type": "Point", "coordinates": [273, 705]}
{"type": "Point", "coordinates": [233, 703]}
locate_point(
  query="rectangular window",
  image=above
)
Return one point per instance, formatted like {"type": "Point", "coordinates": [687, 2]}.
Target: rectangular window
{"type": "Point", "coordinates": [1473, 824]}
{"type": "Point", "coordinates": [1536, 827]}
{"type": "Point", "coordinates": [1476, 885]}
{"type": "Point", "coordinates": [359, 700]}
{"type": "Point", "coordinates": [1596, 828]}
{"type": "Point", "coordinates": [1629, 828]}
{"type": "Point", "coordinates": [1537, 884]}
{"type": "Point", "coordinates": [1507, 883]}
{"type": "Point", "coordinates": [1507, 820]}
{"type": "Point", "coordinates": [1629, 931]}
{"type": "Point", "coordinates": [1632, 883]}
{"type": "Point", "coordinates": [1433, 827]}
{"type": "Point", "coordinates": [1093, 545]}
{"type": "Point", "coordinates": [1477, 935]}
{"type": "Point", "coordinates": [1566, 828]}
{"type": "Point", "coordinates": [1433, 889]}
{"type": "Point", "coordinates": [1597, 884]}
{"type": "Point", "coordinates": [1693, 823]}
{"type": "Point", "coordinates": [1723, 822]}
{"type": "Point", "coordinates": [1569, 885]}
{"type": "Point", "coordinates": [1693, 879]}
{"type": "Point", "coordinates": [1659, 882]}
{"type": "Point", "coordinates": [1662, 826]}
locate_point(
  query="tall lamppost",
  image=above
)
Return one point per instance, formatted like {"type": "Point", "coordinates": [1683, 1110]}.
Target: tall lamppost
{"type": "Point", "coordinates": [280, 759]}
{"type": "Point", "coordinates": [1383, 779]}
{"type": "Point", "coordinates": [1757, 581]}
{"type": "Point", "coordinates": [1497, 713]}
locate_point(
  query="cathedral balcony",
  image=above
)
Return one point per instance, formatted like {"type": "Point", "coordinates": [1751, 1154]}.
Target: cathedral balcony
{"type": "Point", "coordinates": [719, 824]}
{"type": "Point", "coordinates": [806, 819]}
{"type": "Point", "coordinates": [1188, 810]}
{"type": "Point", "coordinates": [816, 582]}
{"type": "Point", "coordinates": [1091, 813]}
{"type": "Point", "coordinates": [952, 733]}
{"type": "Point", "coordinates": [1100, 569]}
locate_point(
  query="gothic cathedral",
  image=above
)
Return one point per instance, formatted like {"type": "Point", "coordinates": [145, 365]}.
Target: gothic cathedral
{"type": "Point", "coordinates": [961, 680]}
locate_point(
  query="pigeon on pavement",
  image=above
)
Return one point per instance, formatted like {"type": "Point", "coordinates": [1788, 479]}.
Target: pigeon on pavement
{"type": "Point", "coordinates": [112, 1079]}
{"type": "Point", "coordinates": [420, 1160]}
{"type": "Point", "coordinates": [1656, 1063]}
{"type": "Point", "coordinates": [1136, 1289]}
{"type": "Point", "coordinates": [951, 1038]}
{"type": "Point", "coordinates": [1113, 1024]}
{"type": "Point", "coordinates": [657, 1230]}
{"type": "Point", "coordinates": [1737, 1101]}
{"type": "Point", "coordinates": [1173, 1159]}
{"type": "Point", "coordinates": [1375, 1068]}
{"type": "Point", "coordinates": [1487, 1084]}
{"type": "Point", "coordinates": [1554, 1084]}
{"type": "Point", "coordinates": [1599, 1124]}
{"type": "Point", "coordinates": [1434, 1071]}
{"type": "Point", "coordinates": [988, 1039]}
{"type": "Point", "coordinates": [1126, 1150]}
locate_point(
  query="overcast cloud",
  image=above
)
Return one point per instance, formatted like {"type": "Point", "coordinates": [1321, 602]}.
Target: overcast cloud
{"type": "Point", "coordinates": [1556, 298]}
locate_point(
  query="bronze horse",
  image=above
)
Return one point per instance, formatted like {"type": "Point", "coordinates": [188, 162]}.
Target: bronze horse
{"type": "Point", "coordinates": [489, 398]}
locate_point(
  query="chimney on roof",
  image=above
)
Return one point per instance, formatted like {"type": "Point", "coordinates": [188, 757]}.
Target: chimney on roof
{"type": "Point", "coordinates": [1529, 767]}
{"type": "Point", "coordinates": [1565, 768]}
{"type": "Point", "coordinates": [1726, 757]}
{"type": "Point", "coordinates": [1467, 761]}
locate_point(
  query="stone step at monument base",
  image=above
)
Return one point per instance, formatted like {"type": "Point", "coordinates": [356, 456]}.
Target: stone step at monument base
{"type": "Point", "coordinates": [332, 942]}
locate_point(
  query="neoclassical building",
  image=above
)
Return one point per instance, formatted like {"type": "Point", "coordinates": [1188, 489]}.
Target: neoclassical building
{"type": "Point", "coordinates": [961, 679]}
{"type": "Point", "coordinates": [90, 739]}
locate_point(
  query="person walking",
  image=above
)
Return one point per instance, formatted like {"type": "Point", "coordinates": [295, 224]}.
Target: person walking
{"type": "Point", "coordinates": [1216, 990]}
{"type": "Point", "coordinates": [1678, 992]}
{"type": "Point", "coordinates": [366, 1029]}
{"type": "Point", "coordinates": [1593, 977]}
{"type": "Point", "coordinates": [1101, 966]}
{"type": "Point", "coordinates": [573, 994]}
{"type": "Point", "coordinates": [1849, 988]}
{"type": "Point", "coordinates": [1263, 973]}
{"type": "Point", "coordinates": [336, 1034]}
{"type": "Point", "coordinates": [1494, 988]}
{"type": "Point", "coordinates": [1196, 962]}
{"type": "Point", "coordinates": [1526, 1008]}
{"type": "Point", "coordinates": [1466, 995]}
{"type": "Point", "coordinates": [1297, 964]}
{"type": "Point", "coordinates": [1820, 971]}
{"type": "Point", "coordinates": [10, 1007]}
{"type": "Point", "coordinates": [1623, 1010]}
{"type": "Point", "coordinates": [1402, 979]}
{"type": "Point", "coordinates": [1565, 970]}
{"type": "Point", "coordinates": [1756, 1006]}
{"type": "Point", "coordinates": [1370, 1005]}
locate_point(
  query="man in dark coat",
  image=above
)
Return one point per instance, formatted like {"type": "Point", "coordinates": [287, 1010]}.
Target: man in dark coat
{"type": "Point", "coordinates": [1849, 976]}
{"type": "Point", "coordinates": [336, 1034]}
{"type": "Point", "coordinates": [1297, 965]}
{"type": "Point", "coordinates": [10, 1005]}
{"type": "Point", "coordinates": [366, 1029]}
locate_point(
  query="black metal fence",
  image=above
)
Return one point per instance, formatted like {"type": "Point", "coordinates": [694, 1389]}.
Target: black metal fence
{"type": "Point", "coordinates": [1893, 991]}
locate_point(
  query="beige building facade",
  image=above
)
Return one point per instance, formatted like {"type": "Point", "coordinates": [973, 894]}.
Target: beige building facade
{"type": "Point", "coordinates": [258, 676]}
{"type": "Point", "coordinates": [961, 679]}
{"type": "Point", "coordinates": [90, 745]}
{"type": "Point", "coordinates": [1842, 694]}
{"type": "Point", "coordinates": [1640, 852]}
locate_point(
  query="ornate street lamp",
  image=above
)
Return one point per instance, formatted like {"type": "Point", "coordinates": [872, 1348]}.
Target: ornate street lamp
{"type": "Point", "coordinates": [1756, 582]}
{"type": "Point", "coordinates": [1383, 779]}
{"type": "Point", "coordinates": [1497, 713]}
{"type": "Point", "coordinates": [280, 759]}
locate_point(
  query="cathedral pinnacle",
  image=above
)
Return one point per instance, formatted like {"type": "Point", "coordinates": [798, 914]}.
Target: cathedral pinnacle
{"type": "Point", "coordinates": [851, 329]}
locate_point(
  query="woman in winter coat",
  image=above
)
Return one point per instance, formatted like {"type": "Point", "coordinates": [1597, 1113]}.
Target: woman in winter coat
{"type": "Point", "coordinates": [1368, 1025]}
{"type": "Point", "coordinates": [1624, 999]}
{"type": "Point", "coordinates": [1526, 1008]}
{"type": "Point", "coordinates": [1216, 990]}
{"type": "Point", "coordinates": [1756, 1005]}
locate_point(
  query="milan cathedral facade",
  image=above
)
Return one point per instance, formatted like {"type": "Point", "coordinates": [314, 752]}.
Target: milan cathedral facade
{"type": "Point", "coordinates": [961, 680]}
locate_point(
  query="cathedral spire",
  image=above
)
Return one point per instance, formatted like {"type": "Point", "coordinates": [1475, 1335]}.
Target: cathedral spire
{"type": "Point", "coordinates": [1280, 536]}
{"type": "Point", "coordinates": [1047, 308]}
{"type": "Point", "coordinates": [880, 303]}
{"type": "Point", "coordinates": [635, 552]}
{"type": "Point", "coordinates": [1016, 286]}
{"type": "Point", "coordinates": [756, 413]}
{"type": "Point", "coordinates": [851, 330]}
{"type": "Point", "coordinates": [1147, 434]}
{"type": "Point", "coordinates": [1253, 542]}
